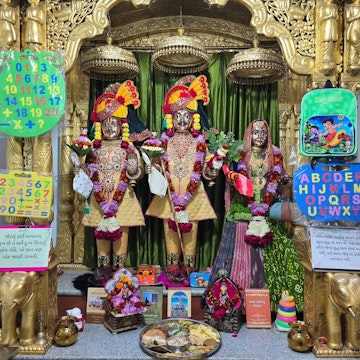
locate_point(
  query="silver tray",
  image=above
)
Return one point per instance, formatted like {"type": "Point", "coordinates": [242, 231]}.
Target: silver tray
{"type": "Point", "coordinates": [209, 336]}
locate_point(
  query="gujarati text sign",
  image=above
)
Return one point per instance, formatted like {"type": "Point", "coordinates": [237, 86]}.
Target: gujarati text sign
{"type": "Point", "coordinates": [335, 248]}
{"type": "Point", "coordinates": [24, 248]}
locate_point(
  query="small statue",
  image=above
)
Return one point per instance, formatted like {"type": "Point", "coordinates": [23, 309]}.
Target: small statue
{"type": "Point", "coordinates": [352, 17]}
{"type": "Point", "coordinates": [7, 25]}
{"type": "Point", "coordinates": [343, 300]}
{"type": "Point", "coordinates": [329, 32]}
{"type": "Point", "coordinates": [34, 34]}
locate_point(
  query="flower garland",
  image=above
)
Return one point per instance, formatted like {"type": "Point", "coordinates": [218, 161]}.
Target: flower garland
{"type": "Point", "coordinates": [181, 201]}
{"type": "Point", "coordinates": [109, 228]}
{"type": "Point", "coordinates": [258, 232]}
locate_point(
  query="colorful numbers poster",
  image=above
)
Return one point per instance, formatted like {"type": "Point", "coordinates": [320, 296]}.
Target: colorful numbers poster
{"type": "Point", "coordinates": [33, 92]}
{"type": "Point", "coordinates": [25, 194]}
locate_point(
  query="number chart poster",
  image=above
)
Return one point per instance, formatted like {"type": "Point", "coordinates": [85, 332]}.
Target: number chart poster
{"type": "Point", "coordinates": [25, 194]}
{"type": "Point", "coordinates": [33, 92]}
{"type": "Point", "coordinates": [24, 248]}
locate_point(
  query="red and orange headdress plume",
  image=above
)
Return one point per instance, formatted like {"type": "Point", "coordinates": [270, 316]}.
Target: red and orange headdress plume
{"type": "Point", "coordinates": [181, 96]}
{"type": "Point", "coordinates": [115, 101]}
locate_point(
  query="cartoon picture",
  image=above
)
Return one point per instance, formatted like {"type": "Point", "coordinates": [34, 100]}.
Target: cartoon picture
{"type": "Point", "coordinates": [328, 134]}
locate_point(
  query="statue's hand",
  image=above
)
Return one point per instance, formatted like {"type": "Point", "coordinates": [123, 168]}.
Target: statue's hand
{"type": "Point", "coordinates": [132, 164]}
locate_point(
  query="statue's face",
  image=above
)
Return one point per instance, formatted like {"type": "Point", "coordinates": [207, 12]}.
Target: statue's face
{"type": "Point", "coordinates": [182, 120]}
{"type": "Point", "coordinates": [259, 134]}
{"type": "Point", "coordinates": [111, 128]}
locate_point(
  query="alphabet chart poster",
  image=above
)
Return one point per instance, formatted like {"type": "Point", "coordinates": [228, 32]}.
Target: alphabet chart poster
{"type": "Point", "coordinates": [25, 194]}
{"type": "Point", "coordinates": [33, 92]}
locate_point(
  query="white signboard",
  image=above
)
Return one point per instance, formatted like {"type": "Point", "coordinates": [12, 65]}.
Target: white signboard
{"type": "Point", "coordinates": [24, 248]}
{"type": "Point", "coordinates": [335, 248]}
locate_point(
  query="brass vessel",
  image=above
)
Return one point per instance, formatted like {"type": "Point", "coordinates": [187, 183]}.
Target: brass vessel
{"type": "Point", "coordinates": [299, 336]}
{"type": "Point", "coordinates": [66, 331]}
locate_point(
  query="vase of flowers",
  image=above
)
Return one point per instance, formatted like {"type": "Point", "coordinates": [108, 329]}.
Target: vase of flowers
{"type": "Point", "coordinates": [123, 306]}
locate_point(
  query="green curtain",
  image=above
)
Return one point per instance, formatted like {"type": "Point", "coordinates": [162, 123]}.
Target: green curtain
{"type": "Point", "coordinates": [232, 107]}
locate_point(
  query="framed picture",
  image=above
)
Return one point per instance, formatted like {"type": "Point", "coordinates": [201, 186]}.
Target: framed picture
{"type": "Point", "coordinates": [152, 297]}
{"type": "Point", "coordinates": [95, 314]}
{"type": "Point", "coordinates": [179, 303]}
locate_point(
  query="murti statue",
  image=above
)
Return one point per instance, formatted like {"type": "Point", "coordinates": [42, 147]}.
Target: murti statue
{"type": "Point", "coordinates": [112, 166]}
{"type": "Point", "coordinates": [183, 164]}
{"type": "Point", "coordinates": [7, 25]}
{"type": "Point", "coordinates": [253, 246]}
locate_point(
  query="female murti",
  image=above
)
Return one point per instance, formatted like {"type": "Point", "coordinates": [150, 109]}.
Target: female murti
{"type": "Point", "coordinates": [112, 166]}
{"type": "Point", "coordinates": [256, 251]}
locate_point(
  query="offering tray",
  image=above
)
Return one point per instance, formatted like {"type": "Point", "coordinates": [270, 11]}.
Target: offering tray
{"type": "Point", "coordinates": [178, 339]}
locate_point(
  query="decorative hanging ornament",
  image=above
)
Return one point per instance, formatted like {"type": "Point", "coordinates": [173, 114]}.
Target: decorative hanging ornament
{"type": "Point", "coordinates": [109, 62]}
{"type": "Point", "coordinates": [255, 66]}
{"type": "Point", "coordinates": [180, 54]}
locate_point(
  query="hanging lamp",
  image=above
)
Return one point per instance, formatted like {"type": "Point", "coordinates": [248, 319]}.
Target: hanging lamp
{"type": "Point", "coordinates": [255, 66]}
{"type": "Point", "coordinates": [109, 62]}
{"type": "Point", "coordinates": [180, 54]}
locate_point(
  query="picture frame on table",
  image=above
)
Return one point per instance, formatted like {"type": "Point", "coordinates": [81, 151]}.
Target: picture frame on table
{"type": "Point", "coordinates": [152, 297]}
{"type": "Point", "coordinates": [179, 302]}
{"type": "Point", "coordinates": [95, 313]}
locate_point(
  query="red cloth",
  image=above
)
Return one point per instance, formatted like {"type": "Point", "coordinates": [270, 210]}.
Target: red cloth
{"type": "Point", "coordinates": [241, 183]}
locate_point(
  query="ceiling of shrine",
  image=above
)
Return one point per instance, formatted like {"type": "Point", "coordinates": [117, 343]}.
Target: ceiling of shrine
{"type": "Point", "coordinates": [142, 27]}
{"type": "Point", "coordinates": [125, 13]}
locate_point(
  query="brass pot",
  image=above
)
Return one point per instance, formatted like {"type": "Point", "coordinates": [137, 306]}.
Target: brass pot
{"type": "Point", "coordinates": [66, 331]}
{"type": "Point", "coordinates": [299, 336]}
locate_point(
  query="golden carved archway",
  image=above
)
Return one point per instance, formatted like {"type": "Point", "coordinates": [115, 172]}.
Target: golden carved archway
{"type": "Point", "coordinates": [291, 25]}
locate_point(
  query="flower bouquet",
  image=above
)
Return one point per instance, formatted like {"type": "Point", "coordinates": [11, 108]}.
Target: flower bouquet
{"type": "Point", "coordinates": [123, 305]}
{"type": "Point", "coordinates": [151, 149]}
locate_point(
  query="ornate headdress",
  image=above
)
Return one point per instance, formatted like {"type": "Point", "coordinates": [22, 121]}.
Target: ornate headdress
{"type": "Point", "coordinates": [189, 93]}
{"type": "Point", "coordinates": [181, 96]}
{"type": "Point", "coordinates": [115, 102]}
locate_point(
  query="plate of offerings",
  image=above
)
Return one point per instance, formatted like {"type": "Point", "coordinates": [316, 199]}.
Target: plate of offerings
{"type": "Point", "coordinates": [177, 338]}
